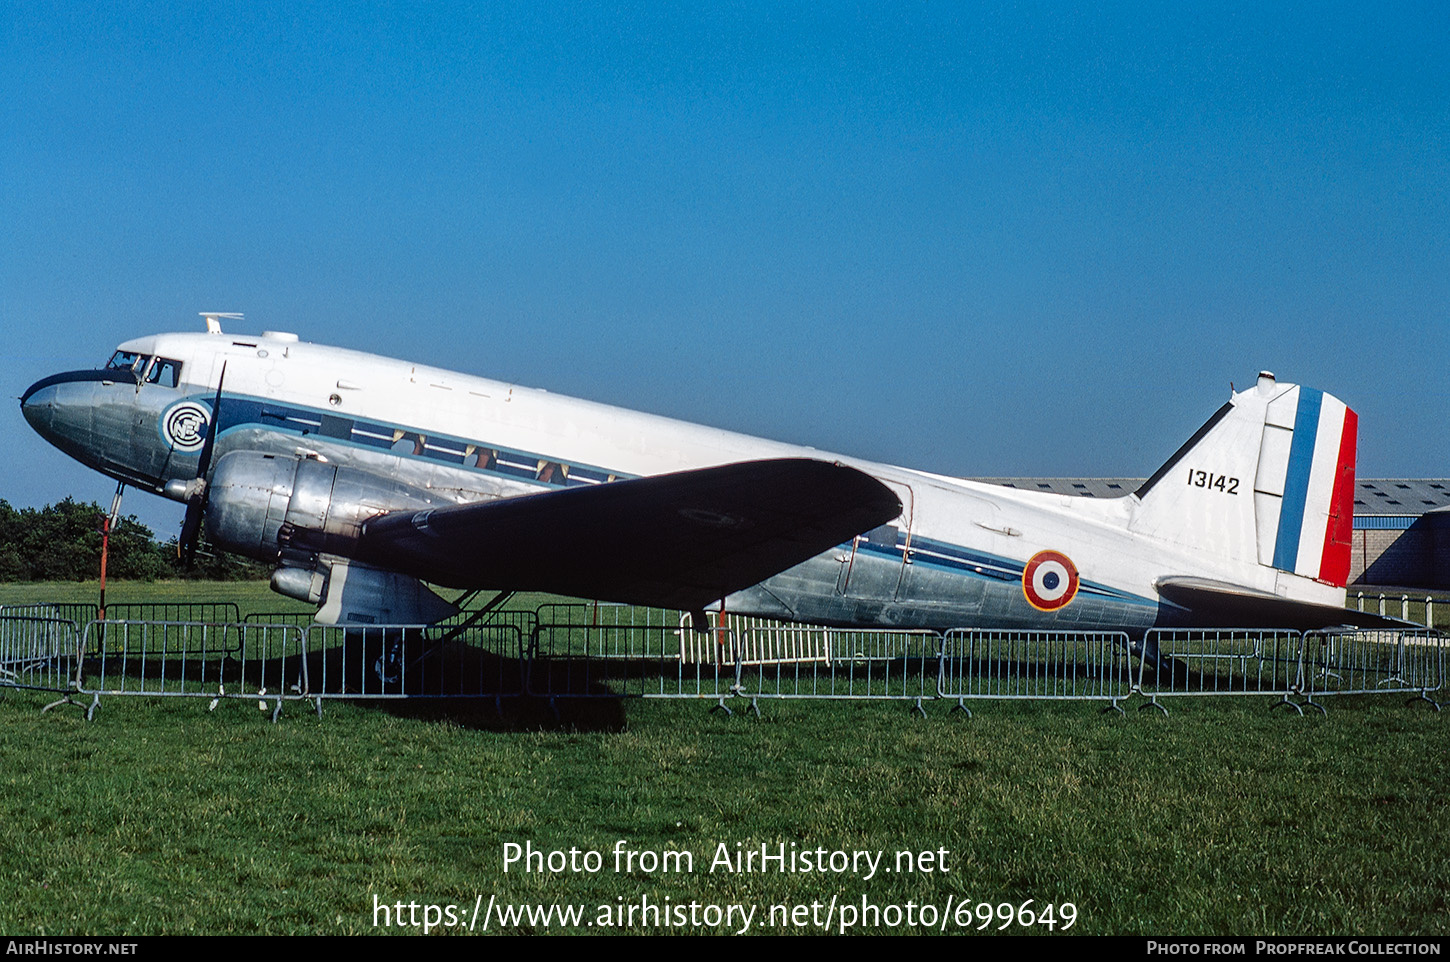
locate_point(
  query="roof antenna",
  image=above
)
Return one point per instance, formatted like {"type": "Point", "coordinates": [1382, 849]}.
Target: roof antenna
{"type": "Point", "coordinates": [214, 322]}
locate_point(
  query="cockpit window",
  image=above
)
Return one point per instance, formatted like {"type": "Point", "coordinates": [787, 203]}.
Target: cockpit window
{"type": "Point", "coordinates": [165, 372]}
{"type": "Point", "coordinates": [127, 361]}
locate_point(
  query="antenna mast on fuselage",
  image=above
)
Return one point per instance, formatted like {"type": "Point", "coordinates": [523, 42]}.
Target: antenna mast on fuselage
{"type": "Point", "coordinates": [214, 320]}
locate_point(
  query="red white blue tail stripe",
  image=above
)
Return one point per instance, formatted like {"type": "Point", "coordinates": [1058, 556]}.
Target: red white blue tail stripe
{"type": "Point", "coordinates": [1317, 514]}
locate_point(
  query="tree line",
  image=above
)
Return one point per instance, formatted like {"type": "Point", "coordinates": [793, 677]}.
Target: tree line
{"type": "Point", "coordinates": [62, 542]}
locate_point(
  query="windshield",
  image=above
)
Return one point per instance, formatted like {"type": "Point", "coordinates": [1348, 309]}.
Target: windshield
{"type": "Point", "coordinates": [127, 361]}
{"type": "Point", "coordinates": [152, 370]}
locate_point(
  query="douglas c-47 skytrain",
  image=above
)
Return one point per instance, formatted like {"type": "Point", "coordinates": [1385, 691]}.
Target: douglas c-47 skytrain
{"type": "Point", "coordinates": [361, 478]}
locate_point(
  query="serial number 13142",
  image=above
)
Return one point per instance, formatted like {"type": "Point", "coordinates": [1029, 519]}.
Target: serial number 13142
{"type": "Point", "coordinates": [1218, 482]}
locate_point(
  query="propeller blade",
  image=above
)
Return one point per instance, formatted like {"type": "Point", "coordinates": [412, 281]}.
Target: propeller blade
{"type": "Point", "coordinates": [191, 529]}
{"type": "Point", "coordinates": [196, 504]}
{"type": "Point", "coordinates": [203, 464]}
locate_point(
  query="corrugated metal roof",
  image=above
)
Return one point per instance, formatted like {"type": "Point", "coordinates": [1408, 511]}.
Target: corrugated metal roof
{"type": "Point", "coordinates": [1083, 487]}
{"type": "Point", "coordinates": [1401, 497]}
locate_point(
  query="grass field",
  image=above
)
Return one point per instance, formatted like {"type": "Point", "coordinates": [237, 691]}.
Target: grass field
{"type": "Point", "coordinates": [1225, 817]}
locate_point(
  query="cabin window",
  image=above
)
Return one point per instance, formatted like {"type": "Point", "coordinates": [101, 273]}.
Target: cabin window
{"type": "Point", "coordinates": [333, 427]}
{"type": "Point", "coordinates": [883, 535]}
{"type": "Point", "coordinates": [165, 372]}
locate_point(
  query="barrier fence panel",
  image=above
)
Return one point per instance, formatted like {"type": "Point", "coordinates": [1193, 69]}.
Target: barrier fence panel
{"type": "Point", "coordinates": [596, 650]}
{"type": "Point", "coordinates": [38, 653]}
{"type": "Point", "coordinates": [414, 661]}
{"type": "Point", "coordinates": [78, 612]}
{"type": "Point", "coordinates": [612, 651]}
{"type": "Point", "coordinates": [82, 612]}
{"type": "Point", "coordinates": [752, 642]}
{"type": "Point", "coordinates": [1416, 607]}
{"type": "Point", "coordinates": [1220, 661]}
{"type": "Point", "coordinates": [193, 659]}
{"type": "Point", "coordinates": [213, 612]}
{"type": "Point", "coordinates": [522, 620]}
{"type": "Point", "coordinates": [1079, 665]}
{"type": "Point", "coordinates": [297, 619]}
{"type": "Point", "coordinates": [781, 660]}
{"type": "Point", "coordinates": [1374, 662]}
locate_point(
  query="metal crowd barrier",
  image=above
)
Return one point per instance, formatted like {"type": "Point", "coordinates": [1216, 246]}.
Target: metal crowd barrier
{"type": "Point", "coordinates": [216, 612]}
{"type": "Point", "coordinates": [414, 661]}
{"type": "Point", "coordinates": [38, 653]}
{"type": "Point", "coordinates": [1367, 662]}
{"type": "Point", "coordinates": [279, 662]}
{"type": "Point", "coordinates": [1039, 665]}
{"type": "Point", "coordinates": [297, 619]}
{"type": "Point", "coordinates": [616, 651]}
{"type": "Point", "coordinates": [521, 619]}
{"type": "Point", "coordinates": [613, 651]}
{"type": "Point", "coordinates": [190, 659]}
{"type": "Point", "coordinates": [1219, 661]}
{"type": "Point", "coordinates": [82, 612]}
{"type": "Point", "coordinates": [779, 660]}
{"type": "Point", "coordinates": [1406, 600]}
{"type": "Point", "coordinates": [78, 612]}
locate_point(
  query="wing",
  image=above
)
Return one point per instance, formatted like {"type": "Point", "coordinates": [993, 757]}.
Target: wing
{"type": "Point", "coordinates": [674, 541]}
{"type": "Point", "coordinates": [1217, 604]}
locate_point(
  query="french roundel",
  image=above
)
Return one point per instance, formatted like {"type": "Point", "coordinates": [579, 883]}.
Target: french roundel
{"type": "Point", "coordinates": [1049, 581]}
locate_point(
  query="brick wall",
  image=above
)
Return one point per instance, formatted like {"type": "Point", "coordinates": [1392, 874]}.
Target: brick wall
{"type": "Point", "coordinates": [1417, 557]}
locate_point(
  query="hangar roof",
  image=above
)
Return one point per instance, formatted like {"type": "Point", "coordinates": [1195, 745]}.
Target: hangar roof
{"type": "Point", "coordinates": [1372, 496]}
{"type": "Point", "coordinates": [1400, 495]}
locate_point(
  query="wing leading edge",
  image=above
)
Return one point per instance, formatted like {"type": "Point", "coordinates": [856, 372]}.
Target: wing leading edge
{"type": "Point", "coordinates": [681, 540]}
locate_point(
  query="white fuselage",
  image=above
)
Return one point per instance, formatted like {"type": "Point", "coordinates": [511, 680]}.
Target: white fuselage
{"type": "Point", "coordinates": [956, 556]}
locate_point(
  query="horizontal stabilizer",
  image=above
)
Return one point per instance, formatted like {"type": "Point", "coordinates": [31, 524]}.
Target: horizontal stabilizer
{"type": "Point", "coordinates": [680, 540]}
{"type": "Point", "coordinates": [1217, 604]}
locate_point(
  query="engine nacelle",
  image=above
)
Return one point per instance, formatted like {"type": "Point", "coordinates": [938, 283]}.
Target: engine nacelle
{"type": "Point", "coordinates": [352, 593]}
{"type": "Point", "coordinates": [260, 505]}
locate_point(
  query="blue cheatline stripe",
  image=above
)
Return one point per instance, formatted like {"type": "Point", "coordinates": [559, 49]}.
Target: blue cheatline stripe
{"type": "Point", "coordinates": [942, 555]}
{"type": "Point", "coordinates": [247, 412]}
{"type": "Point", "coordinates": [1296, 482]}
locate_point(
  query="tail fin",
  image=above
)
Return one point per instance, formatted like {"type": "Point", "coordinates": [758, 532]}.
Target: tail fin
{"type": "Point", "coordinates": [1268, 479]}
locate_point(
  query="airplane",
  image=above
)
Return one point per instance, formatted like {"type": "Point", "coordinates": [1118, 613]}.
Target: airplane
{"type": "Point", "coordinates": [364, 480]}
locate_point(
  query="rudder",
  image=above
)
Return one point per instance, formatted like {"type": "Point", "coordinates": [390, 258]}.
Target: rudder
{"type": "Point", "coordinates": [1308, 527]}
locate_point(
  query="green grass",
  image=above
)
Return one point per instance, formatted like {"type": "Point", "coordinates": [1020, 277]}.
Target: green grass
{"type": "Point", "coordinates": [1225, 817]}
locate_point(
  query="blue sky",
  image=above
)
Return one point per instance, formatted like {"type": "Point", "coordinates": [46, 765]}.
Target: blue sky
{"type": "Point", "coordinates": [979, 239]}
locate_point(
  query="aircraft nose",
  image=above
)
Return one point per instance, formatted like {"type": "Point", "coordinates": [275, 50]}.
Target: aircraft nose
{"type": "Point", "coordinates": [95, 417]}
{"type": "Point", "coordinates": [38, 404]}
{"type": "Point", "coordinates": [61, 408]}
